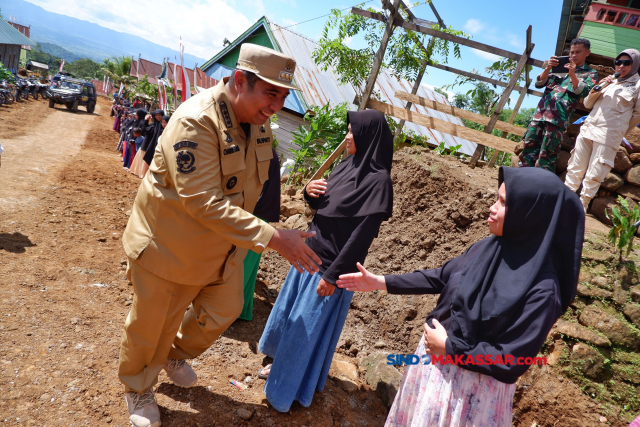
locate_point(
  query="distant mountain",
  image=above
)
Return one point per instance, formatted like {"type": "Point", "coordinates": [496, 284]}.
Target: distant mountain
{"type": "Point", "coordinates": [59, 51]}
{"type": "Point", "coordinates": [84, 38]}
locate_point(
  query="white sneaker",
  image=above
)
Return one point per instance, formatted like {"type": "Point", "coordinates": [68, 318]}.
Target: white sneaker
{"type": "Point", "coordinates": [143, 409]}
{"type": "Point", "coordinates": [180, 372]}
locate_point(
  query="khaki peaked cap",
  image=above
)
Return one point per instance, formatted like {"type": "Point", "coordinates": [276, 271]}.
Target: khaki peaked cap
{"type": "Point", "coordinates": [269, 65]}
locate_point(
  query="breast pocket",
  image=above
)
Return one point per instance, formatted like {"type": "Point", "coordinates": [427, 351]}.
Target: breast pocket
{"type": "Point", "coordinates": [624, 101]}
{"type": "Point", "coordinates": [233, 172]}
{"type": "Point", "coordinates": [263, 156]}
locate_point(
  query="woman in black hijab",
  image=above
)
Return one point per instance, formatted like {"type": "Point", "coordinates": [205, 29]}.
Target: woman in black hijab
{"type": "Point", "coordinates": [497, 303]}
{"type": "Point", "coordinates": [307, 318]}
{"type": "Point", "coordinates": [153, 134]}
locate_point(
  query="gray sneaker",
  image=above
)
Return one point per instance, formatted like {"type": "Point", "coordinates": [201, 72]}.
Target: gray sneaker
{"type": "Point", "coordinates": [143, 409]}
{"type": "Point", "coordinates": [180, 372]}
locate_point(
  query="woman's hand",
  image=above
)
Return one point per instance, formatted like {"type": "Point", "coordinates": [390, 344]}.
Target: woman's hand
{"type": "Point", "coordinates": [362, 282]}
{"type": "Point", "coordinates": [325, 288]}
{"type": "Point", "coordinates": [606, 80]}
{"type": "Point", "coordinates": [147, 117]}
{"type": "Point", "coordinates": [316, 188]}
{"type": "Point", "coordinates": [435, 338]}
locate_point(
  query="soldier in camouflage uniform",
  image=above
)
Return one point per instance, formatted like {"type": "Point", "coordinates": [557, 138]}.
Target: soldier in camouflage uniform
{"type": "Point", "coordinates": [542, 139]}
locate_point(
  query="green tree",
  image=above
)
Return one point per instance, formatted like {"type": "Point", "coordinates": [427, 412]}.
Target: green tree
{"type": "Point", "coordinates": [85, 68]}
{"type": "Point", "coordinates": [404, 56]}
{"type": "Point", "coordinates": [117, 69]}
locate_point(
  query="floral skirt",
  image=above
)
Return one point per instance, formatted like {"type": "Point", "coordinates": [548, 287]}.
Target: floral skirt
{"type": "Point", "coordinates": [450, 396]}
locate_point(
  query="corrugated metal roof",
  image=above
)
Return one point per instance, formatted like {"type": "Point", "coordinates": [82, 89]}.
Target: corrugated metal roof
{"type": "Point", "coordinates": [9, 35]}
{"type": "Point", "coordinates": [321, 87]}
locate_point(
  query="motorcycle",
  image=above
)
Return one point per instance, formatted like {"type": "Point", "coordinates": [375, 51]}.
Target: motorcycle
{"type": "Point", "coordinates": [32, 89]}
{"type": "Point", "coordinates": [42, 89]}
{"type": "Point", "coordinates": [21, 89]}
{"type": "Point", "coordinates": [6, 91]}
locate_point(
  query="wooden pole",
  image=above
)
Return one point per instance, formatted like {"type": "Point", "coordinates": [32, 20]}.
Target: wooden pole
{"type": "Point", "coordinates": [514, 113]}
{"type": "Point", "coordinates": [375, 70]}
{"type": "Point", "coordinates": [416, 84]}
{"type": "Point", "coordinates": [504, 98]}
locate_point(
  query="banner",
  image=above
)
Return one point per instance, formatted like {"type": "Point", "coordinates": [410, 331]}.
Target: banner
{"type": "Point", "coordinates": [108, 86]}
{"type": "Point", "coordinates": [121, 88]}
{"type": "Point", "coordinates": [61, 66]}
{"type": "Point", "coordinates": [175, 83]}
{"type": "Point", "coordinates": [186, 85]}
{"type": "Point", "coordinates": [104, 82]}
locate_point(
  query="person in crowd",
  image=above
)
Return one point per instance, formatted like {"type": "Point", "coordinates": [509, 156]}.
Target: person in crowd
{"type": "Point", "coordinates": [152, 135]}
{"type": "Point", "coordinates": [267, 209]}
{"type": "Point", "coordinates": [541, 142]}
{"type": "Point", "coordinates": [191, 225]}
{"type": "Point", "coordinates": [307, 318]}
{"type": "Point", "coordinates": [499, 298]}
{"type": "Point", "coordinates": [615, 112]}
{"type": "Point", "coordinates": [139, 166]}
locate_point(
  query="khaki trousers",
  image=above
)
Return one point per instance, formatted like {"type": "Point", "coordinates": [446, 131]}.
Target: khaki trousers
{"type": "Point", "coordinates": [593, 158]}
{"type": "Point", "coordinates": [157, 326]}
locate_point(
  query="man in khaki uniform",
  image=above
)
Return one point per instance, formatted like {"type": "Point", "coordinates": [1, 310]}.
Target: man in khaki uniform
{"type": "Point", "coordinates": [191, 226]}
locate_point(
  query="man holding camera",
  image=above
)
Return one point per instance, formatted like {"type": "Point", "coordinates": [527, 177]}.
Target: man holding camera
{"type": "Point", "coordinates": [541, 141]}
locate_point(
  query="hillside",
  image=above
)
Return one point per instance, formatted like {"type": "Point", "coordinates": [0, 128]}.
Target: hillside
{"type": "Point", "coordinates": [83, 38]}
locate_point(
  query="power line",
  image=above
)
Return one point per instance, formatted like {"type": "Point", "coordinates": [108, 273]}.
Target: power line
{"type": "Point", "coordinates": [318, 17]}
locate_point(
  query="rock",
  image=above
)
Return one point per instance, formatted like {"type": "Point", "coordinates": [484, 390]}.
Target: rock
{"type": "Point", "coordinates": [627, 373]}
{"type": "Point", "coordinates": [562, 161]}
{"type": "Point", "coordinates": [559, 347]}
{"type": "Point", "coordinates": [634, 157]}
{"type": "Point", "coordinates": [383, 378]}
{"type": "Point", "coordinates": [290, 208]}
{"type": "Point", "coordinates": [633, 175]}
{"type": "Point", "coordinates": [588, 360]}
{"type": "Point", "coordinates": [587, 291]}
{"type": "Point", "coordinates": [622, 162]}
{"type": "Point", "coordinates": [600, 205]}
{"type": "Point", "coordinates": [601, 282]}
{"type": "Point", "coordinates": [620, 295]}
{"type": "Point", "coordinates": [244, 413]}
{"type": "Point", "coordinates": [635, 294]}
{"type": "Point", "coordinates": [346, 376]}
{"type": "Point", "coordinates": [584, 276]}
{"type": "Point", "coordinates": [379, 344]}
{"type": "Point", "coordinates": [616, 330]}
{"type": "Point", "coordinates": [627, 276]}
{"type": "Point", "coordinates": [45, 397]}
{"type": "Point", "coordinates": [574, 330]}
{"type": "Point", "coordinates": [284, 179]}
{"type": "Point", "coordinates": [289, 190]}
{"type": "Point", "coordinates": [460, 219]}
{"type": "Point", "coordinates": [612, 182]}
{"type": "Point", "coordinates": [630, 191]}
{"type": "Point", "coordinates": [635, 147]}
{"type": "Point", "coordinates": [632, 311]}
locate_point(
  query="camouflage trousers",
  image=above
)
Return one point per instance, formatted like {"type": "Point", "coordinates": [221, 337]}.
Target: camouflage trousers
{"type": "Point", "coordinates": [541, 146]}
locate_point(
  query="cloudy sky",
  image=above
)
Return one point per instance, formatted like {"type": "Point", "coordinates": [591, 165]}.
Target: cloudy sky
{"type": "Point", "coordinates": [204, 24]}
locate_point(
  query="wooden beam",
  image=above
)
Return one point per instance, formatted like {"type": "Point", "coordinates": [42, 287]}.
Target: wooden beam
{"type": "Point", "coordinates": [327, 163]}
{"type": "Point", "coordinates": [449, 37]}
{"type": "Point", "coordinates": [520, 66]}
{"type": "Point", "coordinates": [377, 60]}
{"type": "Point", "coordinates": [443, 126]}
{"type": "Point", "coordinates": [485, 79]}
{"type": "Point", "coordinates": [464, 114]}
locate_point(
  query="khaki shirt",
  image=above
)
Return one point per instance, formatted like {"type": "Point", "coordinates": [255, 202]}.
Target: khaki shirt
{"type": "Point", "coordinates": [616, 111]}
{"type": "Point", "coordinates": [192, 208]}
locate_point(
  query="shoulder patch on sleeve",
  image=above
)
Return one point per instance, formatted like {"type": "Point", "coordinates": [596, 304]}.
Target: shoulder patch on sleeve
{"type": "Point", "coordinates": [186, 161]}
{"type": "Point", "coordinates": [182, 144]}
{"type": "Point", "coordinates": [225, 114]}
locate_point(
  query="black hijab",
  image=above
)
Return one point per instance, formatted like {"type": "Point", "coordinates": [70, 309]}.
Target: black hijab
{"type": "Point", "coordinates": [543, 232]}
{"type": "Point", "coordinates": [151, 140]}
{"type": "Point", "coordinates": [361, 184]}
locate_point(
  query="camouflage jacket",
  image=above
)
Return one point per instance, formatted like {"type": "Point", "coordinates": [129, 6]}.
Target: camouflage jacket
{"type": "Point", "coordinates": [560, 98]}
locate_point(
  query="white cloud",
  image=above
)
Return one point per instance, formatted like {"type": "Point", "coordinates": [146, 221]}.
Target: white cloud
{"type": "Point", "coordinates": [486, 55]}
{"type": "Point", "coordinates": [348, 40]}
{"type": "Point", "coordinates": [432, 88]}
{"type": "Point", "coordinates": [474, 25]}
{"type": "Point", "coordinates": [203, 25]}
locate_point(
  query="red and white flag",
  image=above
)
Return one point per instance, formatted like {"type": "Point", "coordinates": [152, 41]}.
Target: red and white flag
{"type": "Point", "coordinates": [61, 66]}
{"type": "Point", "coordinates": [186, 85]}
{"type": "Point", "coordinates": [175, 83]}
{"type": "Point", "coordinates": [104, 82]}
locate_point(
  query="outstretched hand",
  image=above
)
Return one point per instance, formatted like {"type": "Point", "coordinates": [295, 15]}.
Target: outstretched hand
{"type": "Point", "coordinates": [290, 244]}
{"type": "Point", "coordinates": [364, 281]}
{"type": "Point", "coordinates": [316, 188]}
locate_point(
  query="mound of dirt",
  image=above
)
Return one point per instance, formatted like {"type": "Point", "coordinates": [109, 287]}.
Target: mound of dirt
{"type": "Point", "coordinates": [439, 211]}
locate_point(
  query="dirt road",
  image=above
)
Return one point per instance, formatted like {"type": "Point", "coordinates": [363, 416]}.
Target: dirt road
{"type": "Point", "coordinates": [63, 208]}
{"type": "Point", "coordinates": [64, 203]}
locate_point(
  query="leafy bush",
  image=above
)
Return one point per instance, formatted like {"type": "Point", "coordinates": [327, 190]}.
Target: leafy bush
{"type": "Point", "coordinates": [625, 223]}
{"type": "Point", "coordinates": [5, 74]}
